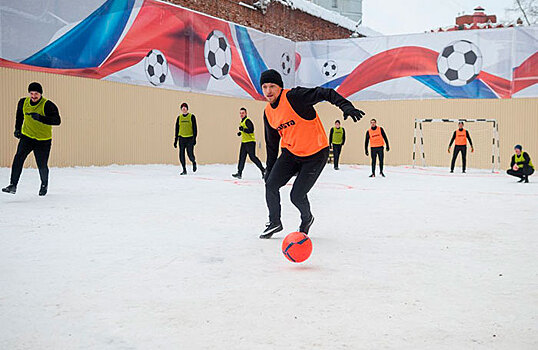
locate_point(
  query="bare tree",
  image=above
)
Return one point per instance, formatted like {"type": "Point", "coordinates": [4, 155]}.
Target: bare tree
{"type": "Point", "coordinates": [528, 9]}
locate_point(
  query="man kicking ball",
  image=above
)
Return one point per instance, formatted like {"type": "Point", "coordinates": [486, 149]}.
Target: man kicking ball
{"type": "Point", "coordinates": [290, 118]}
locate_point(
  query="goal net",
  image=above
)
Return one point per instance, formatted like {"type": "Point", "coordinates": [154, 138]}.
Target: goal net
{"type": "Point", "coordinates": [432, 136]}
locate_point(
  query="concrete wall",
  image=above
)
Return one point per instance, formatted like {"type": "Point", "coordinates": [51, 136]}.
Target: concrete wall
{"type": "Point", "coordinates": [111, 123]}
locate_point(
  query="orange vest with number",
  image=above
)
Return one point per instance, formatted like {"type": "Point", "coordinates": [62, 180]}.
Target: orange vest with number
{"type": "Point", "coordinates": [299, 136]}
{"type": "Point", "coordinates": [376, 139]}
{"type": "Point", "coordinates": [461, 137]}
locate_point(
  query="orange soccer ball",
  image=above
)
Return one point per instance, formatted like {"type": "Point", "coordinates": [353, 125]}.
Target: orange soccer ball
{"type": "Point", "coordinates": [297, 247]}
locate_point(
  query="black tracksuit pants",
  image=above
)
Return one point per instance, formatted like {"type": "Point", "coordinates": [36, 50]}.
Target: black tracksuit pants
{"type": "Point", "coordinates": [186, 143]}
{"type": "Point", "coordinates": [463, 150]}
{"type": "Point", "coordinates": [250, 149]}
{"type": "Point", "coordinates": [307, 169]}
{"type": "Point", "coordinates": [41, 151]}
{"type": "Point", "coordinates": [522, 173]}
{"type": "Point", "coordinates": [337, 150]}
{"type": "Point", "coordinates": [377, 152]}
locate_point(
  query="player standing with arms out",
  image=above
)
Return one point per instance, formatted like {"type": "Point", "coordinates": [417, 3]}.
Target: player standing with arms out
{"type": "Point", "coordinates": [291, 120]}
{"type": "Point", "coordinates": [33, 127]}
{"type": "Point", "coordinates": [460, 136]}
{"type": "Point", "coordinates": [521, 165]}
{"type": "Point", "coordinates": [186, 133]}
{"type": "Point", "coordinates": [377, 138]}
{"type": "Point", "coordinates": [337, 138]}
{"type": "Point", "coordinates": [248, 144]}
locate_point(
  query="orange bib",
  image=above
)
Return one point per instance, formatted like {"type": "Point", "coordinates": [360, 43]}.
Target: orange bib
{"type": "Point", "coordinates": [461, 137]}
{"type": "Point", "coordinates": [376, 139]}
{"type": "Point", "coordinates": [299, 136]}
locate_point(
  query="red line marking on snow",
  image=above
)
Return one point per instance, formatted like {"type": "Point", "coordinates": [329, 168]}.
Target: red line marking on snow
{"type": "Point", "coordinates": [331, 185]}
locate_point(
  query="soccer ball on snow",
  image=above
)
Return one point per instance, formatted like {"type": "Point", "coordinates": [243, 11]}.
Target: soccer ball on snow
{"type": "Point", "coordinates": [297, 247]}
{"type": "Point", "coordinates": [218, 55]}
{"type": "Point", "coordinates": [459, 63]}
{"type": "Point", "coordinates": [156, 67]}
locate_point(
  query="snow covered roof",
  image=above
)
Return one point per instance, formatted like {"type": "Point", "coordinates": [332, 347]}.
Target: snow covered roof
{"type": "Point", "coordinates": [470, 26]}
{"type": "Point", "coordinates": [327, 15]}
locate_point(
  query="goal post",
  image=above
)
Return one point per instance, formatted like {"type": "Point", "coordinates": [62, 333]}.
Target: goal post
{"type": "Point", "coordinates": [418, 138]}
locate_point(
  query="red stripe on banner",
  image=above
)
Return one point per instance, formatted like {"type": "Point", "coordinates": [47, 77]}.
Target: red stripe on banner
{"type": "Point", "coordinates": [203, 26]}
{"type": "Point", "coordinates": [391, 64]}
{"type": "Point", "coordinates": [500, 85]}
{"type": "Point", "coordinates": [526, 74]}
{"type": "Point", "coordinates": [297, 60]}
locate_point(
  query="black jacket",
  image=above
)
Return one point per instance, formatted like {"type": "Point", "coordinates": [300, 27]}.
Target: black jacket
{"type": "Point", "coordinates": [51, 113]}
{"type": "Point", "coordinates": [194, 127]}
{"type": "Point", "coordinates": [302, 100]}
{"type": "Point", "coordinates": [367, 139]}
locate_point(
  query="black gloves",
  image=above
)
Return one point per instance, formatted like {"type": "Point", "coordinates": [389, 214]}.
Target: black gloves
{"type": "Point", "coordinates": [175, 142]}
{"type": "Point", "coordinates": [17, 134]}
{"type": "Point", "coordinates": [194, 142]}
{"type": "Point", "coordinates": [356, 114]}
{"type": "Point", "coordinates": [366, 152]}
{"type": "Point", "coordinates": [388, 148]}
{"type": "Point", "coordinates": [36, 116]}
{"type": "Point", "coordinates": [239, 133]}
{"type": "Point", "coordinates": [240, 128]}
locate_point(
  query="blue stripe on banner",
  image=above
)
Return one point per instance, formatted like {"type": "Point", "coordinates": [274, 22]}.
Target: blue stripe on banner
{"type": "Point", "coordinates": [333, 84]}
{"type": "Point", "coordinates": [90, 42]}
{"type": "Point", "coordinates": [252, 58]}
{"type": "Point", "coordinates": [475, 89]}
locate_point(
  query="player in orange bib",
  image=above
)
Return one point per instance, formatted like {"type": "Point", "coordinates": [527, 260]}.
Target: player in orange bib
{"type": "Point", "coordinates": [460, 136]}
{"type": "Point", "coordinates": [377, 138]}
{"type": "Point", "coordinates": [291, 121]}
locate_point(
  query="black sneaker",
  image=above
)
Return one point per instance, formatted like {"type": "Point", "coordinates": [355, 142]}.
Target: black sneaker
{"type": "Point", "coordinates": [194, 167]}
{"type": "Point", "coordinates": [336, 168]}
{"type": "Point", "coordinates": [270, 229]}
{"type": "Point", "coordinates": [382, 174]}
{"type": "Point", "coordinates": [43, 190]}
{"type": "Point", "coordinates": [373, 175]}
{"type": "Point", "coordinates": [522, 179]}
{"type": "Point", "coordinates": [451, 171]}
{"type": "Point", "coordinates": [236, 175]}
{"type": "Point", "coordinates": [463, 171]}
{"type": "Point", "coordinates": [305, 226]}
{"type": "Point", "coordinates": [184, 172]}
{"type": "Point", "coordinates": [10, 189]}
{"type": "Point", "coordinates": [527, 179]}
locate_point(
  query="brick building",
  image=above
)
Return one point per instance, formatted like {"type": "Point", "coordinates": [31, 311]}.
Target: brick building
{"type": "Point", "coordinates": [478, 20]}
{"type": "Point", "coordinates": [280, 18]}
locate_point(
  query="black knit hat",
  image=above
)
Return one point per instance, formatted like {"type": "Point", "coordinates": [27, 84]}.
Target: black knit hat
{"type": "Point", "coordinates": [518, 147]}
{"type": "Point", "coordinates": [35, 86]}
{"type": "Point", "coordinates": [184, 104]}
{"type": "Point", "coordinates": [271, 76]}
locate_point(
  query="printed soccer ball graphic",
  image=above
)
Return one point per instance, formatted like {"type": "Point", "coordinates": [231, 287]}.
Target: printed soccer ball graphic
{"type": "Point", "coordinates": [156, 67]}
{"type": "Point", "coordinates": [459, 63]}
{"type": "Point", "coordinates": [285, 63]}
{"type": "Point", "coordinates": [329, 69]}
{"type": "Point", "coordinates": [218, 55]}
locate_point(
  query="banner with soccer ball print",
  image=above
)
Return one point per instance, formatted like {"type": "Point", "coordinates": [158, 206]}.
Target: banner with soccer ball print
{"type": "Point", "coordinates": [157, 44]}
{"type": "Point", "coordinates": [494, 63]}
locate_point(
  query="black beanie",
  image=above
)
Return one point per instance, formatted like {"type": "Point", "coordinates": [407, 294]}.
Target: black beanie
{"type": "Point", "coordinates": [35, 86]}
{"type": "Point", "coordinates": [184, 104]}
{"type": "Point", "coordinates": [271, 76]}
{"type": "Point", "coordinates": [518, 147]}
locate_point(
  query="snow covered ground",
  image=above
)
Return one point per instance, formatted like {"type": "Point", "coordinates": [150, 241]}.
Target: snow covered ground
{"type": "Point", "coordinates": [137, 257]}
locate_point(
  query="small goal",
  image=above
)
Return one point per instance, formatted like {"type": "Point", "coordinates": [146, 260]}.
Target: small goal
{"type": "Point", "coordinates": [419, 131]}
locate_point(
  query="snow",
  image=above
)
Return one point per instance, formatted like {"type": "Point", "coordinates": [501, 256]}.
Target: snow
{"type": "Point", "coordinates": [329, 16]}
{"type": "Point", "coordinates": [138, 257]}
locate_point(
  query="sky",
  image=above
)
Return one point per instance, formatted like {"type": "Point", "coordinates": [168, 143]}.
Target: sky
{"type": "Point", "coordinates": [417, 16]}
